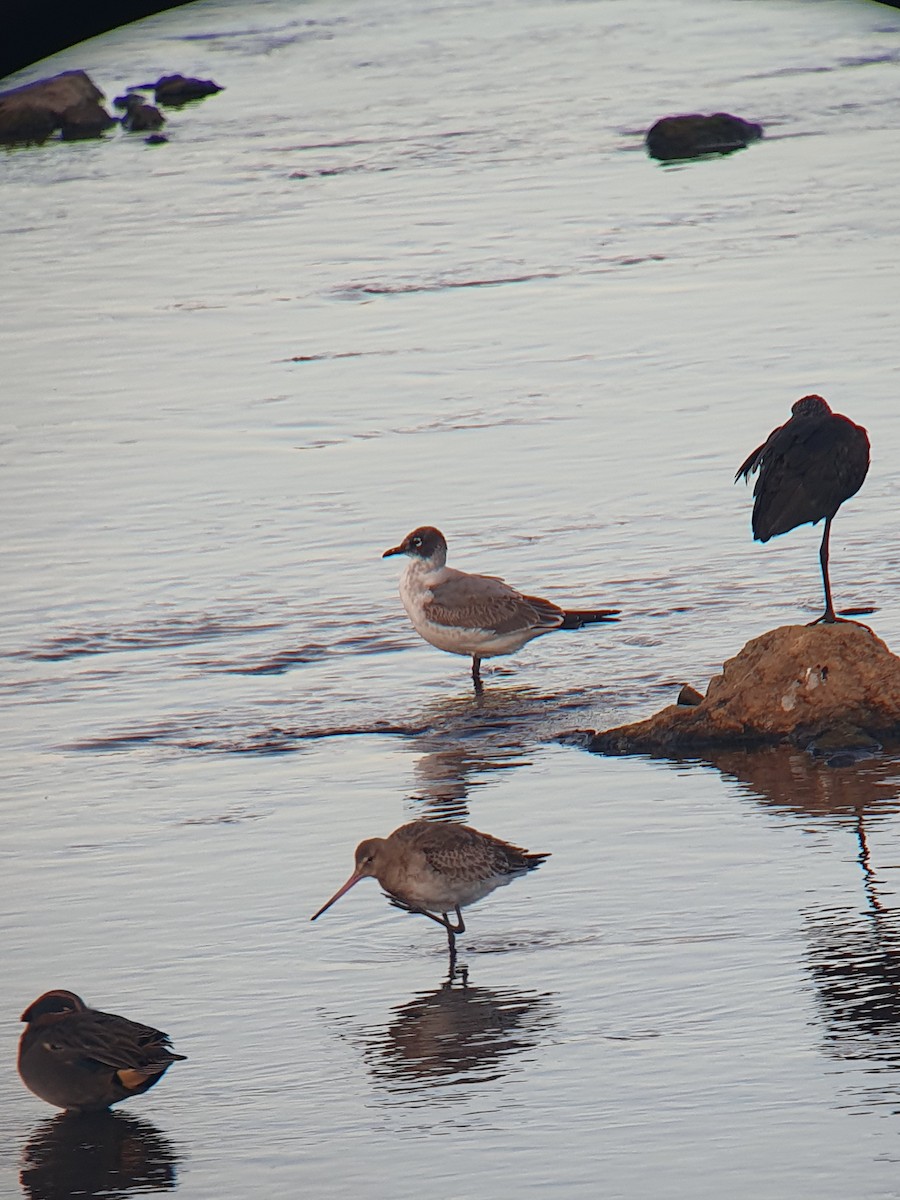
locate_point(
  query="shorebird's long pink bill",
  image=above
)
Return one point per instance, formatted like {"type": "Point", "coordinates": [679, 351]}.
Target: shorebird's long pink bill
{"type": "Point", "coordinates": [354, 878]}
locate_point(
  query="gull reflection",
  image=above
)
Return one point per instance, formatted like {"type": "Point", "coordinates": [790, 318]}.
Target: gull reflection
{"type": "Point", "coordinates": [458, 1033]}
{"type": "Point", "coordinates": [467, 739]}
{"type": "Point", "coordinates": [108, 1154]}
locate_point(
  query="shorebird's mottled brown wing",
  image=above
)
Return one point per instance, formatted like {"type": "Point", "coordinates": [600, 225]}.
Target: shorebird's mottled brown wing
{"type": "Point", "coordinates": [465, 853]}
{"type": "Point", "coordinates": [485, 602]}
{"type": "Point", "coordinates": [114, 1041]}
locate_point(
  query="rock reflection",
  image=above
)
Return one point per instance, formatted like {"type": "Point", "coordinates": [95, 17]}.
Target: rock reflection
{"type": "Point", "coordinates": [792, 780]}
{"type": "Point", "coordinates": [97, 1154]}
{"type": "Point", "coordinates": [458, 1033]}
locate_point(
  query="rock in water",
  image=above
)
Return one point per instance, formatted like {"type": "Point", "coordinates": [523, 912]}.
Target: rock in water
{"type": "Point", "coordinates": [794, 684]}
{"type": "Point", "coordinates": [32, 112]}
{"type": "Point", "coordinates": [693, 134]}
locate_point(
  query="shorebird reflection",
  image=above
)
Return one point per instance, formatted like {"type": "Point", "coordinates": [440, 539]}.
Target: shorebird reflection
{"type": "Point", "coordinates": [458, 1033]}
{"type": "Point", "coordinates": [109, 1154]}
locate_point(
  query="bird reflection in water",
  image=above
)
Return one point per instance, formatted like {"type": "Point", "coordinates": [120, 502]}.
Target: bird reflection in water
{"type": "Point", "coordinates": [854, 961]}
{"type": "Point", "coordinates": [108, 1154]}
{"type": "Point", "coordinates": [467, 740]}
{"type": "Point", "coordinates": [445, 777]}
{"type": "Point", "coordinates": [458, 1033]}
{"type": "Point", "coordinates": [853, 949]}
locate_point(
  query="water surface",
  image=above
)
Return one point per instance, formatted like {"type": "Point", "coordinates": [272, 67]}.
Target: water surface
{"type": "Point", "coordinates": [413, 266]}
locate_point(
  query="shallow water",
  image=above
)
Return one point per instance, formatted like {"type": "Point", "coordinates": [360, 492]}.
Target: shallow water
{"type": "Point", "coordinates": [413, 266]}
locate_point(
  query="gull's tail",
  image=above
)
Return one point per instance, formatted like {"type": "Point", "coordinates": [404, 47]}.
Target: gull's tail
{"type": "Point", "coordinates": [575, 618]}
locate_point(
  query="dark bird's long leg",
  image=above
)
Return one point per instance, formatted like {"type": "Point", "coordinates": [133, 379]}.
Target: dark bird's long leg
{"type": "Point", "coordinates": [476, 674]}
{"type": "Point", "coordinates": [828, 617]}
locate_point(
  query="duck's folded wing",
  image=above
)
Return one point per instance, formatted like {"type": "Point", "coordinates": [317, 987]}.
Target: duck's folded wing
{"type": "Point", "coordinates": [116, 1042]}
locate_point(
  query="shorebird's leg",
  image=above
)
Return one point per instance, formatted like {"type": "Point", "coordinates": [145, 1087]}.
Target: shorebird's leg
{"type": "Point", "coordinates": [459, 927]}
{"type": "Point", "coordinates": [476, 674]}
{"type": "Point", "coordinates": [443, 919]}
{"type": "Point", "coordinates": [828, 617]}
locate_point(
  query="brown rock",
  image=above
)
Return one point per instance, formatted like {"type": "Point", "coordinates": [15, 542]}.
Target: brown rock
{"type": "Point", "coordinates": [689, 697]}
{"type": "Point", "coordinates": [32, 112]}
{"type": "Point", "coordinates": [837, 685]}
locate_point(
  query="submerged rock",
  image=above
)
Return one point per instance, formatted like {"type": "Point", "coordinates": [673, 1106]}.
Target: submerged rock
{"type": "Point", "coordinates": [693, 134]}
{"type": "Point", "coordinates": [70, 100]}
{"type": "Point", "coordinates": [179, 89]}
{"type": "Point", "coordinates": [829, 686]}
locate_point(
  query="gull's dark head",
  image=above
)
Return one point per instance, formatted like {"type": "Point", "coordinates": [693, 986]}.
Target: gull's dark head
{"type": "Point", "coordinates": [426, 543]}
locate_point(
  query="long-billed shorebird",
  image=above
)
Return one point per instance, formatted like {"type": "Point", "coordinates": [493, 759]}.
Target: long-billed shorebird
{"type": "Point", "coordinates": [807, 468]}
{"type": "Point", "coordinates": [438, 867]}
{"type": "Point", "coordinates": [478, 616]}
{"type": "Point", "coordinates": [84, 1060]}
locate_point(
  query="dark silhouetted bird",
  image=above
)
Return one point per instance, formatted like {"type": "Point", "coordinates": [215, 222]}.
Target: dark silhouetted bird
{"type": "Point", "coordinates": [84, 1060]}
{"type": "Point", "coordinates": [807, 468]}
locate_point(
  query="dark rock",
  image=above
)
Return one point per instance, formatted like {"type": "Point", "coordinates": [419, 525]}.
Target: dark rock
{"type": "Point", "coordinates": [693, 134]}
{"type": "Point", "coordinates": [177, 89]}
{"type": "Point", "coordinates": [689, 697]}
{"type": "Point", "coordinates": [835, 686]}
{"type": "Point", "coordinates": [156, 139]}
{"type": "Point", "coordinates": [27, 127]}
{"type": "Point", "coordinates": [141, 117]}
{"type": "Point", "coordinates": [122, 102]}
{"type": "Point", "coordinates": [87, 119]}
{"type": "Point", "coordinates": [32, 112]}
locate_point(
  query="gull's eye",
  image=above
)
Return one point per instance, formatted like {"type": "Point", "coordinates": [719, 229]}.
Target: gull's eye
{"type": "Point", "coordinates": [417, 541]}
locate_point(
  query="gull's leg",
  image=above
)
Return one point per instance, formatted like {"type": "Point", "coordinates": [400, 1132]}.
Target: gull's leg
{"type": "Point", "coordinates": [476, 674]}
